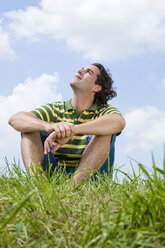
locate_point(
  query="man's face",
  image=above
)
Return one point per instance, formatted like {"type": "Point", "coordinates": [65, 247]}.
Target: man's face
{"type": "Point", "coordinates": [85, 78]}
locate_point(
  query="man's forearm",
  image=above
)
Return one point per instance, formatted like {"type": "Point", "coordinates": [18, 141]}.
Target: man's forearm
{"type": "Point", "coordinates": [26, 122]}
{"type": "Point", "coordinates": [105, 125]}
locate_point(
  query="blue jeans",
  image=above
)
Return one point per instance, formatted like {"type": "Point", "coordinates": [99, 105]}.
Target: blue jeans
{"type": "Point", "coordinates": [107, 167]}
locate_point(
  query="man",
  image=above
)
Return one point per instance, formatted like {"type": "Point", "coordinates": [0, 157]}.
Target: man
{"type": "Point", "coordinates": [66, 126]}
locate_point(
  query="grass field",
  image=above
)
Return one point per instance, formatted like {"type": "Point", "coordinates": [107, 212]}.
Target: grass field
{"type": "Point", "coordinates": [40, 212]}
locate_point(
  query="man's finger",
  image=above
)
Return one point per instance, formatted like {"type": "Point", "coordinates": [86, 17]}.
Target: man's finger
{"type": "Point", "coordinates": [68, 130]}
{"type": "Point", "coordinates": [48, 142]}
{"type": "Point", "coordinates": [62, 131]}
{"type": "Point", "coordinates": [46, 148]}
{"type": "Point", "coordinates": [56, 132]}
{"type": "Point", "coordinates": [55, 148]}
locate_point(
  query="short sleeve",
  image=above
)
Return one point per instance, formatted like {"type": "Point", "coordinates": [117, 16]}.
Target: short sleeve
{"type": "Point", "coordinates": [109, 109]}
{"type": "Point", "coordinates": [45, 113]}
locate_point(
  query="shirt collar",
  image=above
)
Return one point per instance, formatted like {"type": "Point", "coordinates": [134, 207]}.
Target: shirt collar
{"type": "Point", "coordinates": [68, 106]}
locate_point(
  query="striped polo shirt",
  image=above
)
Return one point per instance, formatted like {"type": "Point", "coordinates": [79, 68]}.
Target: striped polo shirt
{"type": "Point", "coordinates": [70, 153]}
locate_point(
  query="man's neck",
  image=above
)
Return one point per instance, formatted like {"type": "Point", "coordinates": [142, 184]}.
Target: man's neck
{"type": "Point", "coordinates": [80, 103]}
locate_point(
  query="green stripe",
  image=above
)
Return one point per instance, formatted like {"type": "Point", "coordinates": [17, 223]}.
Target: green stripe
{"type": "Point", "coordinates": [71, 150]}
{"type": "Point", "coordinates": [78, 142]}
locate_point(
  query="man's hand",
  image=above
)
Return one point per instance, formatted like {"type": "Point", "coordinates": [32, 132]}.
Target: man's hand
{"type": "Point", "coordinates": [62, 129]}
{"type": "Point", "coordinates": [62, 132]}
{"type": "Point", "coordinates": [26, 122]}
{"type": "Point", "coordinates": [49, 142]}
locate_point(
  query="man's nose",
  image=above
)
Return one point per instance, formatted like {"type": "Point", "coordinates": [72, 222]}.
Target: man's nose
{"type": "Point", "coordinates": [80, 71]}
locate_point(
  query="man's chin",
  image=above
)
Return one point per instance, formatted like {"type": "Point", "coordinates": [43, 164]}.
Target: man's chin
{"type": "Point", "coordinates": [73, 83]}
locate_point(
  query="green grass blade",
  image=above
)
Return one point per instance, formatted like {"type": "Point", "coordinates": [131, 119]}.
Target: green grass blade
{"type": "Point", "coordinates": [124, 173]}
{"type": "Point", "coordinates": [19, 206]}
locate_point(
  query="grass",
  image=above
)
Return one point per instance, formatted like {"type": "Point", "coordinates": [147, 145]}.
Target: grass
{"type": "Point", "coordinates": [52, 212]}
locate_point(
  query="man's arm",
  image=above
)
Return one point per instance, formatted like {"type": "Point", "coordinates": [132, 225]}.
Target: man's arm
{"type": "Point", "coordinates": [26, 122]}
{"type": "Point", "coordinates": [104, 125]}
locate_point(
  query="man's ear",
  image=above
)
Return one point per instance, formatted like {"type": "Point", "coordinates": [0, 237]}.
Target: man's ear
{"type": "Point", "coordinates": [97, 88]}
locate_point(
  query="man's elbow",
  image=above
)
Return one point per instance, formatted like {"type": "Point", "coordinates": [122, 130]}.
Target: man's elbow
{"type": "Point", "coordinates": [123, 123]}
{"type": "Point", "coordinates": [11, 120]}
{"type": "Point", "coordinates": [14, 119]}
{"type": "Point", "coordinates": [120, 123]}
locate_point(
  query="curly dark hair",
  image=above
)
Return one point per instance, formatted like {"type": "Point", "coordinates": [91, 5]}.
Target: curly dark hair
{"type": "Point", "coordinates": [105, 80]}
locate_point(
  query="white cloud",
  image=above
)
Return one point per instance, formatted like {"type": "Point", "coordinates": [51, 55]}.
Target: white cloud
{"type": "Point", "coordinates": [25, 97]}
{"type": "Point", "coordinates": [145, 128]}
{"type": "Point", "coordinates": [101, 29]}
{"type": "Point", "coordinates": [5, 47]}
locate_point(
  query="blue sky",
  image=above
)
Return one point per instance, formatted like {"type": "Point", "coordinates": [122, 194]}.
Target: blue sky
{"type": "Point", "coordinates": [43, 44]}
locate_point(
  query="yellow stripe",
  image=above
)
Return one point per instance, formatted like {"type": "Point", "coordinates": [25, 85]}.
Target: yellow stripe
{"type": "Point", "coordinates": [73, 146]}
{"type": "Point", "coordinates": [68, 120]}
{"type": "Point", "coordinates": [68, 163]}
{"type": "Point", "coordinates": [80, 137]}
{"type": "Point", "coordinates": [40, 114]}
{"type": "Point", "coordinates": [90, 113]}
{"type": "Point", "coordinates": [68, 112]}
{"type": "Point", "coordinates": [115, 112]}
{"type": "Point", "coordinates": [87, 113]}
{"type": "Point", "coordinates": [60, 103]}
{"type": "Point", "coordinates": [59, 110]}
{"type": "Point", "coordinates": [112, 112]}
{"type": "Point", "coordinates": [63, 119]}
{"type": "Point", "coordinates": [86, 120]}
{"type": "Point", "coordinates": [69, 155]}
{"type": "Point", "coordinates": [71, 162]}
{"type": "Point", "coordinates": [50, 109]}
{"type": "Point", "coordinates": [58, 118]}
{"type": "Point", "coordinates": [47, 115]}
{"type": "Point", "coordinates": [54, 114]}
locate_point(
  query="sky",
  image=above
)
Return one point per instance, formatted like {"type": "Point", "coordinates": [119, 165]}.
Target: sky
{"type": "Point", "coordinates": [44, 43]}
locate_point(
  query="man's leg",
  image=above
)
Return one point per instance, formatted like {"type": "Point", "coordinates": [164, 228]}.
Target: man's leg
{"type": "Point", "coordinates": [32, 150]}
{"type": "Point", "coordinates": [94, 156]}
{"type": "Point", "coordinates": [107, 167]}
